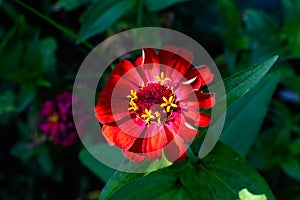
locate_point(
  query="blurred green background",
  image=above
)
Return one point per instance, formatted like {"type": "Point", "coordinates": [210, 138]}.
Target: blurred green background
{"type": "Point", "coordinates": [43, 43]}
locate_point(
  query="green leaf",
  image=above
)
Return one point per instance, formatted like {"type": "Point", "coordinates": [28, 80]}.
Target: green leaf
{"type": "Point", "coordinates": [220, 175]}
{"type": "Point", "coordinates": [231, 26]}
{"type": "Point", "coordinates": [43, 83]}
{"type": "Point", "coordinates": [102, 15]}
{"type": "Point", "coordinates": [13, 33]}
{"type": "Point", "coordinates": [7, 100]}
{"type": "Point", "coordinates": [244, 194]}
{"type": "Point", "coordinates": [294, 147]}
{"type": "Point", "coordinates": [291, 167]}
{"type": "Point", "coordinates": [116, 182]}
{"type": "Point", "coordinates": [44, 160]}
{"type": "Point", "coordinates": [60, 27]}
{"type": "Point", "coordinates": [120, 177]}
{"type": "Point", "coordinates": [244, 117]}
{"type": "Point", "coordinates": [100, 170]}
{"type": "Point", "coordinates": [48, 47]}
{"type": "Point", "coordinates": [276, 138]}
{"type": "Point", "coordinates": [65, 30]}
{"type": "Point", "coordinates": [259, 21]}
{"type": "Point", "coordinates": [290, 162]}
{"type": "Point", "coordinates": [232, 32]}
{"type": "Point", "coordinates": [10, 49]}
{"type": "Point", "coordinates": [291, 29]}
{"type": "Point", "coordinates": [176, 193]}
{"type": "Point", "coordinates": [241, 83]}
{"type": "Point", "coordinates": [149, 187]}
{"type": "Point", "coordinates": [25, 96]}
{"type": "Point", "coordinates": [156, 5]}
{"type": "Point", "coordinates": [23, 151]}
{"type": "Point", "coordinates": [292, 82]}
{"type": "Point", "coordinates": [236, 87]}
{"type": "Point", "coordinates": [72, 4]}
{"type": "Point", "coordinates": [261, 28]}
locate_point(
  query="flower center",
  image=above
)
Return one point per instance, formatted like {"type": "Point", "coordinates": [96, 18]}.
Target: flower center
{"type": "Point", "coordinates": [53, 118]}
{"type": "Point", "coordinates": [153, 103]}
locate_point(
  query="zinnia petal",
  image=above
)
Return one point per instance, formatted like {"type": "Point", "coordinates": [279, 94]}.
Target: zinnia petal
{"type": "Point", "coordinates": [177, 59]}
{"type": "Point", "coordinates": [152, 144]}
{"type": "Point", "coordinates": [187, 132]}
{"type": "Point", "coordinates": [132, 127]}
{"type": "Point", "coordinates": [197, 119]}
{"type": "Point", "coordinates": [133, 157]}
{"type": "Point", "coordinates": [151, 66]}
{"type": "Point", "coordinates": [182, 128]}
{"type": "Point", "coordinates": [176, 149]}
{"type": "Point", "coordinates": [182, 92]}
{"type": "Point", "coordinates": [123, 140]}
{"type": "Point", "coordinates": [111, 83]}
{"type": "Point", "coordinates": [118, 86]}
{"type": "Point", "coordinates": [204, 120]}
{"type": "Point", "coordinates": [204, 101]}
{"type": "Point", "coordinates": [103, 110]}
{"type": "Point", "coordinates": [199, 76]}
{"type": "Point", "coordinates": [139, 61]}
{"type": "Point", "coordinates": [108, 131]}
{"type": "Point", "coordinates": [127, 133]}
{"type": "Point", "coordinates": [127, 70]}
{"type": "Point", "coordinates": [122, 67]}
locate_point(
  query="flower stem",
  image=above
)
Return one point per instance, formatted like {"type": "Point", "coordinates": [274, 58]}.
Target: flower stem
{"type": "Point", "coordinates": [191, 156]}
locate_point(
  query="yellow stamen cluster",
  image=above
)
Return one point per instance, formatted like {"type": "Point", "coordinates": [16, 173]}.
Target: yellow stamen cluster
{"type": "Point", "coordinates": [132, 97]}
{"type": "Point", "coordinates": [54, 118]}
{"type": "Point", "coordinates": [157, 113]}
{"type": "Point", "coordinates": [168, 103]}
{"type": "Point", "coordinates": [147, 116]}
{"type": "Point", "coordinates": [162, 78]}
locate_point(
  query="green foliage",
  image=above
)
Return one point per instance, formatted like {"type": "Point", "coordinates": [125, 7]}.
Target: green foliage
{"type": "Point", "coordinates": [291, 28]}
{"type": "Point", "coordinates": [99, 169]}
{"type": "Point", "coordinates": [7, 105]}
{"type": "Point", "coordinates": [102, 15]}
{"type": "Point", "coordinates": [187, 181]}
{"type": "Point", "coordinates": [157, 184]}
{"type": "Point", "coordinates": [237, 86]}
{"type": "Point", "coordinates": [33, 55]}
{"type": "Point", "coordinates": [261, 126]}
{"type": "Point", "coordinates": [240, 83]}
{"type": "Point", "coordinates": [113, 155]}
{"type": "Point", "coordinates": [38, 158]}
{"type": "Point", "coordinates": [72, 4]}
{"type": "Point", "coordinates": [291, 166]}
{"type": "Point", "coordinates": [231, 29]}
{"type": "Point", "coordinates": [242, 124]}
{"type": "Point", "coordinates": [261, 28]}
{"type": "Point", "coordinates": [156, 5]}
{"type": "Point", "coordinates": [283, 150]}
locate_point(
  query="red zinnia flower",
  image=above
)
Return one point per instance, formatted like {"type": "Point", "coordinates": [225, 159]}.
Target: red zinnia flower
{"type": "Point", "coordinates": [57, 120]}
{"type": "Point", "coordinates": [152, 105]}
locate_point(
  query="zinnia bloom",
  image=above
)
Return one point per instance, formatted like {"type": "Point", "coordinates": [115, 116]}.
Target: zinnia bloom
{"type": "Point", "coordinates": [57, 120]}
{"type": "Point", "coordinates": [151, 106]}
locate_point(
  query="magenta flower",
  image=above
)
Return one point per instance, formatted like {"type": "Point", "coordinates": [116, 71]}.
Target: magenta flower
{"type": "Point", "coordinates": [57, 120]}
